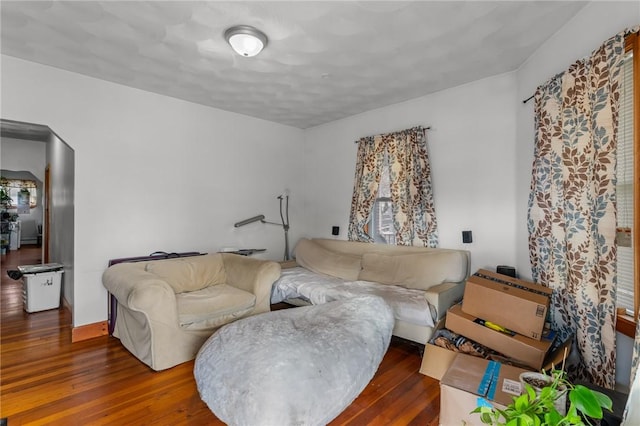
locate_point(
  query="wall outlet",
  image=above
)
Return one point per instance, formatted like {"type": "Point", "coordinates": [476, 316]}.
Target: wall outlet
{"type": "Point", "coordinates": [335, 230]}
{"type": "Point", "coordinates": [467, 237]}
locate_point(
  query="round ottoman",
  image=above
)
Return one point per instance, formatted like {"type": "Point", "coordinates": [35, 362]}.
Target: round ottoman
{"type": "Point", "coordinates": [299, 366]}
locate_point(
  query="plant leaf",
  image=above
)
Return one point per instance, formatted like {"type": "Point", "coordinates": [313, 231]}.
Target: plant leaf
{"type": "Point", "coordinates": [552, 417]}
{"type": "Point", "coordinates": [518, 420]}
{"type": "Point", "coordinates": [585, 401]}
{"type": "Point", "coordinates": [486, 418]}
{"type": "Point", "coordinates": [603, 400]}
{"type": "Point", "coordinates": [527, 420]}
{"type": "Point", "coordinates": [530, 391]}
{"type": "Point", "coordinates": [521, 403]}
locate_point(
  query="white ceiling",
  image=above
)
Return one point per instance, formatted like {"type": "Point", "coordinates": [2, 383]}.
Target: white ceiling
{"type": "Point", "coordinates": [324, 61]}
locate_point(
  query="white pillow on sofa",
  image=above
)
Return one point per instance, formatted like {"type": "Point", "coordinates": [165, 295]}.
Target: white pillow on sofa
{"type": "Point", "coordinates": [318, 259]}
{"type": "Point", "coordinates": [416, 270]}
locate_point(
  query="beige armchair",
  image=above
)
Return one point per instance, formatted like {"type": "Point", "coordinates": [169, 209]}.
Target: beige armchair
{"type": "Point", "coordinates": [168, 308]}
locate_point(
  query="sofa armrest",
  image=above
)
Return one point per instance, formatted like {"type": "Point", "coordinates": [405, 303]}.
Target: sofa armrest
{"type": "Point", "coordinates": [141, 291]}
{"type": "Point", "coordinates": [443, 296]}
{"type": "Point", "coordinates": [253, 275]}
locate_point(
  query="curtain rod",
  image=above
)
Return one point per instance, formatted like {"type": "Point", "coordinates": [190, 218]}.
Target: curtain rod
{"type": "Point", "coordinates": [426, 128]}
{"type": "Point", "coordinates": [627, 34]}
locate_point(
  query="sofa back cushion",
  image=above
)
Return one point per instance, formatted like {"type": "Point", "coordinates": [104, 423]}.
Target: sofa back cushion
{"type": "Point", "coordinates": [415, 270]}
{"type": "Point", "coordinates": [189, 273]}
{"type": "Point", "coordinates": [318, 259]}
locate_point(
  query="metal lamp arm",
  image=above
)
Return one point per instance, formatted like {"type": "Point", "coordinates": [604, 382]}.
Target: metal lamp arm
{"type": "Point", "coordinates": [272, 223]}
{"type": "Point", "coordinates": [284, 215]}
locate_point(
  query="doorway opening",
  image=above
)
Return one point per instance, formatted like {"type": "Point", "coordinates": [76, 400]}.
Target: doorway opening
{"type": "Point", "coordinates": [37, 150]}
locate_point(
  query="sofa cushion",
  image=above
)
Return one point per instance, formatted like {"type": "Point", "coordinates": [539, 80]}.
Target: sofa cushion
{"type": "Point", "coordinates": [189, 274]}
{"type": "Point", "coordinates": [213, 306]}
{"type": "Point", "coordinates": [416, 270]}
{"type": "Point", "coordinates": [318, 259]}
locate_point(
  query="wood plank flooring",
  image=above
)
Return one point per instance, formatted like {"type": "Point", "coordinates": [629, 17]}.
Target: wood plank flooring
{"type": "Point", "coordinates": [44, 379]}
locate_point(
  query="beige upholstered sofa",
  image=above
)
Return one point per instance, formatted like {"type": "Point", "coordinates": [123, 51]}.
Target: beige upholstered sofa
{"type": "Point", "coordinates": [404, 276]}
{"type": "Point", "coordinates": [168, 308]}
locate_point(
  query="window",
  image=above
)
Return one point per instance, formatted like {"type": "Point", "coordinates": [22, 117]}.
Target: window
{"type": "Point", "coordinates": [403, 160]}
{"type": "Point", "coordinates": [19, 188]}
{"type": "Point", "coordinates": [627, 189]}
{"type": "Point", "coordinates": [381, 224]}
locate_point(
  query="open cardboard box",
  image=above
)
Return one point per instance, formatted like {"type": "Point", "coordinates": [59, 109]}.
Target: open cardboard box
{"type": "Point", "coordinates": [437, 360]}
{"type": "Point", "coordinates": [518, 305]}
{"type": "Point", "coordinates": [470, 382]}
{"type": "Point", "coordinates": [525, 350]}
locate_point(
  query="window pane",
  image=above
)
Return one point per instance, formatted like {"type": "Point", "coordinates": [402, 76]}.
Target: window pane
{"type": "Point", "coordinates": [624, 295]}
{"type": "Point", "coordinates": [624, 188]}
{"type": "Point", "coordinates": [382, 229]}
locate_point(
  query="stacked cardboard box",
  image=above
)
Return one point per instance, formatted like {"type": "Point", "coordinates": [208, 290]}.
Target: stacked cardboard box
{"type": "Point", "coordinates": [523, 350]}
{"type": "Point", "coordinates": [505, 314]}
{"type": "Point", "coordinates": [517, 305]}
{"type": "Point", "coordinates": [487, 307]}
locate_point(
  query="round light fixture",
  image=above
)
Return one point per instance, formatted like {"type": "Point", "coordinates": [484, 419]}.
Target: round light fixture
{"type": "Point", "coordinates": [246, 40]}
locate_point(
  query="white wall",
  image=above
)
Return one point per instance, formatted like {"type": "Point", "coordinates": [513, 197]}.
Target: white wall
{"type": "Point", "coordinates": [23, 155]}
{"type": "Point", "coordinates": [155, 173]}
{"type": "Point", "coordinates": [594, 24]}
{"type": "Point", "coordinates": [472, 154]}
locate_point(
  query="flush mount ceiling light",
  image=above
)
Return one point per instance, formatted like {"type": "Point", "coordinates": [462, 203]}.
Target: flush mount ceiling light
{"type": "Point", "coordinates": [246, 40]}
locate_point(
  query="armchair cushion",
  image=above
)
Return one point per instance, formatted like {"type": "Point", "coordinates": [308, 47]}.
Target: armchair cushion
{"type": "Point", "coordinates": [189, 274]}
{"type": "Point", "coordinates": [213, 306]}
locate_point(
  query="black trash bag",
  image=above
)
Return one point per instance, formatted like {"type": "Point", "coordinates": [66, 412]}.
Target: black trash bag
{"type": "Point", "coordinates": [14, 274]}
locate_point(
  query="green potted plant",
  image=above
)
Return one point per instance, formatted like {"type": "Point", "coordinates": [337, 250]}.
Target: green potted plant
{"type": "Point", "coordinates": [541, 407]}
{"type": "Point", "coordinates": [5, 198]}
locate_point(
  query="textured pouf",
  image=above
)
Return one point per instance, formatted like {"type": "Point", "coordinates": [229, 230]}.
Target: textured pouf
{"type": "Point", "coordinates": [299, 366]}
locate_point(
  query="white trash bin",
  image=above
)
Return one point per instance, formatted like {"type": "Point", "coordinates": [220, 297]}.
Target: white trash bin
{"type": "Point", "coordinates": [41, 286]}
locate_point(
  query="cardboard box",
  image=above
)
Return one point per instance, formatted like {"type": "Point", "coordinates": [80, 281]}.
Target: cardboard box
{"type": "Point", "coordinates": [525, 350]}
{"type": "Point", "coordinates": [517, 305]}
{"type": "Point", "coordinates": [436, 360]}
{"type": "Point", "coordinates": [472, 381]}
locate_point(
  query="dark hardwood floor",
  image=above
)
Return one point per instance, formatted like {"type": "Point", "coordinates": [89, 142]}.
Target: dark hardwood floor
{"type": "Point", "coordinates": [47, 380]}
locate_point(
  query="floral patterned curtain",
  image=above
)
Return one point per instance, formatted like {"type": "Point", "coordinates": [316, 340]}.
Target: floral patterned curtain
{"type": "Point", "coordinates": [369, 163]}
{"type": "Point", "coordinates": [410, 181]}
{"type": "Point", "coordinates": [572, 216]}
{"type": "Point", "coordinates": [18, 183]}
